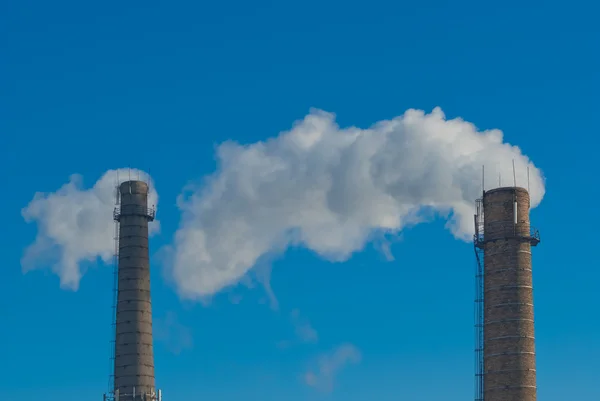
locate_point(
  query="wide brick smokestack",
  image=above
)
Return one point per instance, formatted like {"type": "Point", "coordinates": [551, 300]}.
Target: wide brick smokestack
{"type": "Point", "coordinates": [509, 343]}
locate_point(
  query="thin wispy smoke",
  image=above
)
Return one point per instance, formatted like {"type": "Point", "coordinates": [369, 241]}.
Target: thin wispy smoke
{"type": "Point", "coordinates": [302, 328]}
{"type": "Point", "coordinates": [304, 332]}
{"type": "Point", "coordinates": [332, 189]}
{"type": "Point", "coordinates": [175, 336]}
{"type": "Point", "coordinates": [329, 364]}
{"type": "Point", "coordinates": [75, 225]}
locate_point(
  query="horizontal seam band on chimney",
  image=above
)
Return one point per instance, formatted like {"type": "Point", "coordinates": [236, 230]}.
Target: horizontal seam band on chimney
{"type": "Point", "coordinates": [505, 337]}
{"type": "Point", "coordinates": [525, 239]}
{"type": "Point", "coordinates": [136, 343]}
{"type": "Point", "coordinates": [504, 252]}
{"type": "Point", "coordinates": [141, 311]}
{"type": "Point", "coordinates": [129, 300]}
{"type": "Point", "coordinates": [137, 256]}
{"type": "Point", "coordinates": [146, 323]}
{"type": "Point", "coordinates": [510, 354]}
{"type": "Point", "coordinates": [134, 268]}
{"type": "Point", "coordinates": [513, 303]}
{"type": "Point", "coordinates": [133, 291]}
{"type": "Point", "coordinates": [506, 287]}
{"type": "Point", "coordinates": [488, 270]}
{"type": "Point", "coordinates": [509, 320]}
{"type": "Point", "coordinates": [130, 375]}
{"type": "Point", "coordinates": [132, 233]}
{"type": "Point", "coordinates": [123, 395]}
{"type": "Point", "coordinates": [138, 363]}
{"type": "Point", "coordinates": [137, 301]}
{"type": "Point", "coordinates": [134, 227]}
{"type": "Point", "coordinates": [132, 323]}
{"type": "Point", "coordinates": [135, 278]}
{"type": "Point", "coordinates": [507, 388]}
{"type": "Point", "coordinates": [130, 332]}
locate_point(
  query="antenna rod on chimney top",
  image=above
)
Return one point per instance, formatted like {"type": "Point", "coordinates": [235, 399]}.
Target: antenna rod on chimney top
{"type": "Point", "coordinates": [482, 178]}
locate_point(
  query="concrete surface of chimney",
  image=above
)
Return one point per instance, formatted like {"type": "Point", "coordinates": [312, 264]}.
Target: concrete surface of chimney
{"type": "Point", "coordinates": [509, 344]}
{"type": "Point", "coordinates": [134, 358]}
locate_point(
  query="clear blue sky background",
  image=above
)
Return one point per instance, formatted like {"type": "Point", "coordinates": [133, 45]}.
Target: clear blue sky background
{"type": "Point", "coordinates": [88, 86]}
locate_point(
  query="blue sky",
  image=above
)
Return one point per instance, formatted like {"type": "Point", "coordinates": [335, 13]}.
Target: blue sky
{"type": "Point", "coordinates": [157, 86]}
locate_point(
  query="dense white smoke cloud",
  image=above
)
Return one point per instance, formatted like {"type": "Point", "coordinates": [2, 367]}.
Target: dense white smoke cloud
{"type": "Point", "coordinates": [76, 225]}
{"type": "Point", "coordinates": [330, 189]}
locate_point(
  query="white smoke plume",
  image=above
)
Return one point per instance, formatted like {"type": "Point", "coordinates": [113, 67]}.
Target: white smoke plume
{"type": "Point", "coordinates": [330, 189]}
{"type": "Point", "coordinates": [329, 366]}
{"type": "Point", "coordinates": [76, 225]}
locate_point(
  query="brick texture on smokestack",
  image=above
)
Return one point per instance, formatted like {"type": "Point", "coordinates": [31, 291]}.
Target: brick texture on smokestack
{"type": "Point", "coordinates": [509, 343]}
{"type": "Point", "coordinates": [134, 359]}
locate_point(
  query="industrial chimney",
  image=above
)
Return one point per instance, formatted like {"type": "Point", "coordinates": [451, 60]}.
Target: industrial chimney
{"type": "Point", "coordinates": [133, 350]}
{"type": "Point", "coordinates": [506, 343]}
